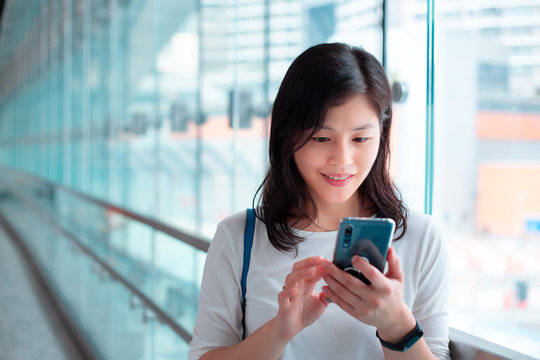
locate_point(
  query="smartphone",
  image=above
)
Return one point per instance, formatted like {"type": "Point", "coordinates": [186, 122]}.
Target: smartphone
{"type": "Point", "coordinates": [365, 237]}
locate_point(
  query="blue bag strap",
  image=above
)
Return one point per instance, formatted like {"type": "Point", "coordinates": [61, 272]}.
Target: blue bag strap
{"type": "Point", "coordinates": [248, 243]}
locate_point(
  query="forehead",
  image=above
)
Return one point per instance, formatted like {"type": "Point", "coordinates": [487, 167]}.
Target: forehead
{"type": "Point", "coordinates": [355, 112]}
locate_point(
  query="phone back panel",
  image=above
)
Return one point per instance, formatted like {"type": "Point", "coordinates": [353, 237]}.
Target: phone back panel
{"type": "Point", "coordinates": [366, 237]}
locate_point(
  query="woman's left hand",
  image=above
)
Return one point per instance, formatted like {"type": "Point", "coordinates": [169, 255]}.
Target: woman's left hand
{"type": "Point", "coordinates": [380, 304]}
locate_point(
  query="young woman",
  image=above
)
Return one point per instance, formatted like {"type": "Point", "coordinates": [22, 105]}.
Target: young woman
{"type": "Point", "coordinates": [329, 154]}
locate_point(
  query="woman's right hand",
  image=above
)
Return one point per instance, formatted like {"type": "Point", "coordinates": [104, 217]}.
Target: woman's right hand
{"type": "Point", "coordinates": [299, 304]}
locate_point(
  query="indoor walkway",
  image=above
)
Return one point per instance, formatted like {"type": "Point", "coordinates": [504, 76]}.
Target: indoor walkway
{"type": "Point", "coordinates": [29, 328]}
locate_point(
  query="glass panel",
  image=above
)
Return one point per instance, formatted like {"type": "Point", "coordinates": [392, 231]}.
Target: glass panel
{"type": "Point", "coordinates": [142, 99]}
{"type": "Point", "coordinates": [177, 70]}
{"type": "Point", "coordinates": [116, 322]}
{"type": "Point", "coordinates": [167, 344]}
{"type": "Point", "coordinates": [406, 69]}
{"type": "Point", "coordinates": [487, 149]}
{"type": "Point", "coordinates": [162, 106]}
{"type": "Point", "coordinates": [118, 122]}
{"type": "Point", "coordinates": [178, 275]}
{"type": "Point", "coordinates": [78, 161]}
{"type": "Point", "coordinates": [232, 61]}
{"type": "Point", "coordinates": [99, 18]}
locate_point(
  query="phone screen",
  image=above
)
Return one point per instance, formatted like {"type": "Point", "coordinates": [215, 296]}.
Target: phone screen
{"type": "Point", "coordinates": [365, 237]}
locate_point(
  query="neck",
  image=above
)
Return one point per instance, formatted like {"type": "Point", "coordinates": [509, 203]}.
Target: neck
{"type": "Point", "coordinates": [329, 216]}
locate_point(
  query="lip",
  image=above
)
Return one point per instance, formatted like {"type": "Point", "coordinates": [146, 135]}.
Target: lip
{"type": "Point", "coordinates": [338, 180]}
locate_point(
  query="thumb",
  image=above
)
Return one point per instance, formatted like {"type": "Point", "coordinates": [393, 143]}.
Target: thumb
{"type": "Point", "coordinates": [394, 266]}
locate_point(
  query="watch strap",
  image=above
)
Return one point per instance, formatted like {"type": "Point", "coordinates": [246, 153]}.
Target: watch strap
{"type": "Point", "coordinates": [408, 340]}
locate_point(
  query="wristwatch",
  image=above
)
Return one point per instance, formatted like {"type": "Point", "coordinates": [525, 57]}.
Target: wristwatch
{"type": "Point", "coordinates": [407, 342]}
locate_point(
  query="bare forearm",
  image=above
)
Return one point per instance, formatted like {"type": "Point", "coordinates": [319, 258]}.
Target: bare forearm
{"type": "Point", "coordinates": [263, 344]}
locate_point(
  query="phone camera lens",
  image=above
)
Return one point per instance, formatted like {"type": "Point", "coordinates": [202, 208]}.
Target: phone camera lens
{"type": "Point", "coordinates": [348, 231]}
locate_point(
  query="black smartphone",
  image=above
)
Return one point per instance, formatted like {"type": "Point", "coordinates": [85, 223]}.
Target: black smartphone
{"type": "Point", "coordinates": [366, 237]}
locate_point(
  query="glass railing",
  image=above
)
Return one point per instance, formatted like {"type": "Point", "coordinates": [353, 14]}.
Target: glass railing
{"type": "Point", "coordinates": [131, 283]}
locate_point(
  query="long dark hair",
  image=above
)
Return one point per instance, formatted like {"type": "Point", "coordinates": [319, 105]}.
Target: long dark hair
{"type": "Point", "coordinates": [323, 76]}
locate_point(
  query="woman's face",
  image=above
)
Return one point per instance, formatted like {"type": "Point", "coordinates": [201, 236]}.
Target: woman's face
{"type": "Point", "coordinates": [338, 158]}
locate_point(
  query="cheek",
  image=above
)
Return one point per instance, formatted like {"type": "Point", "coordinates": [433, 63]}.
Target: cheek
{"type": "Point", "coordinates": [304, 158]}
{"type": "Point", "coordinates": [299, 161]}
{"type": "Point", "coordinates": [369, 157]}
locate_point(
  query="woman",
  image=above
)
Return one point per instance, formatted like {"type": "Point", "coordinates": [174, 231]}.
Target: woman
{"type": "Point", "coordinates": [329, 154]}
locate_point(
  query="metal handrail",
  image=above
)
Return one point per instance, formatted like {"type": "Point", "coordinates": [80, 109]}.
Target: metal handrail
{"type": "Point", "coordinates": [194, 240]}
{"type": "Point", "coordinates": [465, 346]}
{"type": "Point", "coordinates": [161, 315]}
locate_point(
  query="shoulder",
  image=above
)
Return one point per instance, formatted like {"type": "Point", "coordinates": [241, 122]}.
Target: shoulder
{"type": "Point", "coordinates": [229, 234]}
{"type": "Point", "coordinates": [226, 248]}
{"type": "Point", "coordinates": [423, 238]}
{"type": "Point", "coordinates": [420, 225]}
{"type": "Point", "coordinates": [231, 229]}
{"type": "Point", "coordinates": [233, 222]}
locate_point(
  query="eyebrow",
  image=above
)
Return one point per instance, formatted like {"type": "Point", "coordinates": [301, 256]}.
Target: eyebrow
{"type": "Point", "coordinates": [363, 127]}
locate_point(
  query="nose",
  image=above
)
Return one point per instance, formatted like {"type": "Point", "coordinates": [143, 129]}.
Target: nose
{"type": "Point", "coordinates": [341, 154]}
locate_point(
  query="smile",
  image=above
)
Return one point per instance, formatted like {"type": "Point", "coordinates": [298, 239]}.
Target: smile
{"type": "Point", "coordinates": [337, 180]}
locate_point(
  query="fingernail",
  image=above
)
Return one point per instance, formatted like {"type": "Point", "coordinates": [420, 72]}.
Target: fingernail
{"type": "Point", "coordinates": [324, 293]}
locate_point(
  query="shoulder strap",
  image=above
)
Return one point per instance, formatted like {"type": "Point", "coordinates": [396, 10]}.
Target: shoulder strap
{"type": "Point", "coordinates": [248, 242]}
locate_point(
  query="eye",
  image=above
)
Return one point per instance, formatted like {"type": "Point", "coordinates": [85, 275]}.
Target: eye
{"type": "Point", "coordinates": [320, 139]}
{"type": "Point", "coordinates": [360, 139]}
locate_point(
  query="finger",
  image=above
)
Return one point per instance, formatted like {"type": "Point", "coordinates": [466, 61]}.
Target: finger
{"type": "Point", "coordinates": [331, 295]}
{"type": "Point", "coordinates": [310, 275]}
{"type": "Point", "coordinates": [308, 262]}
{"type": "Point", "coordinates": [348, 287]}
{"type": "Point", "coordinates": [394, 266]}
{"type": "Point", "coordinates": [331, 269]}
{"type": "Point", "coordinates": [343, 277]}
{"type": "Point", "coordinates": [373, 274]}
{"type": "Point", "coordinates": [354, 310]}
{"type": "Point", "coordinates": [324, 299]}
{"type": "Point", "coordinates": [284, 297]}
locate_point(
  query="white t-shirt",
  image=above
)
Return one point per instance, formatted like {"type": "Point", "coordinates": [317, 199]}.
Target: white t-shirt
{"type": "Point", "coordinates": [423, 259]}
